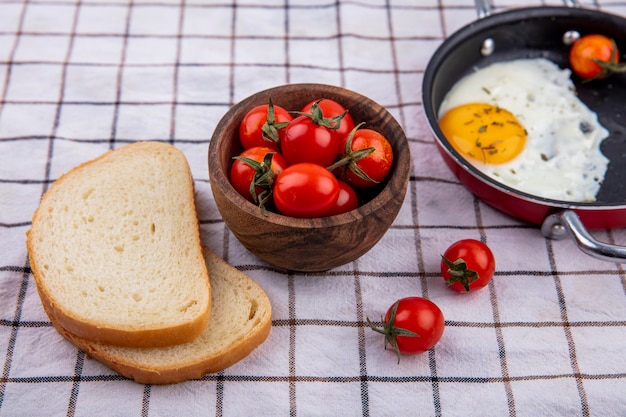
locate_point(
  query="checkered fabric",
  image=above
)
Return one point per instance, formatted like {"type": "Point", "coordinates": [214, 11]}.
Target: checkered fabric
{"type": "Point", "coordinates": [79, 77]}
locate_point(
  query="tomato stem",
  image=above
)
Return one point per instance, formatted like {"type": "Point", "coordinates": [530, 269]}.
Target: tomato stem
{"type": "Point", "coordinates": [390, 331]}
{"type": "Point", "coordinates": [460, 273]}
{"type": "Point", "coordinates": [263, 178]}
{"type": "Point", "coordinates": [350, 157]}
{"type": "Point", "coordinates": [317, 116]}
{"type": "Point", "coordinates": [270, 128]}
{"type": "Point", "coordinates": [610, 67]}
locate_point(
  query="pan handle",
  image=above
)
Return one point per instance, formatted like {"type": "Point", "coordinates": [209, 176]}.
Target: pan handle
{"type": "Point", "coordinates": [483, 8]}
{"type": "Point", "coordinates": [572, 3]}
{"type": "Point", "coordinates": [565, 223]}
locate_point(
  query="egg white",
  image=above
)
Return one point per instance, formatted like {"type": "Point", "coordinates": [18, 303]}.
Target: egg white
{"type": "Point", "coordinates": [562, 158]}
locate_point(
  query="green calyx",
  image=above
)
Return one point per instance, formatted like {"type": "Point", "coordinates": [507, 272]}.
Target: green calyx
{"type": "Point", "coordinates": [270, 128]}
{"type": "Point", "coordinates": [610, 67]}
{"type": "Point", "coordinates": [318, 118]}
{"type": "Point", "coordinates": [263, 178]}
{"type": "Point", "coordinates": [390, 331]}
{"type": "Point", "coordinates": [460, 273]}
{"type": "Point", "coordinates": [350, 158]}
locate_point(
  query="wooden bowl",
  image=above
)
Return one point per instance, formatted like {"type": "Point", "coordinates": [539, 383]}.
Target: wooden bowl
{"type": "Point", "coordinates": [316, 244]}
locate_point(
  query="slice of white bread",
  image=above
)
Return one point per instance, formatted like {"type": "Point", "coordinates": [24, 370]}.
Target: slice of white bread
{"type": "Point", "coordinates": [241, 320]}
{"type": "Point", "coordinates": [116, 253]}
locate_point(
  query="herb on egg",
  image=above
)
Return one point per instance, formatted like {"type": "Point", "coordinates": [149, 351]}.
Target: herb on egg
{"type": "Point", "coordinates": [491, 149]}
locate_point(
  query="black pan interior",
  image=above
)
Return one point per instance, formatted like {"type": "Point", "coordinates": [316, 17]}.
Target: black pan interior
{"type": "Point", "coordinates": [533, 33]}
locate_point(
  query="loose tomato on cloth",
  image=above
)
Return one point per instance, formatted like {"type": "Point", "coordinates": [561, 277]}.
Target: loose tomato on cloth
{"type": "Point", "coordinates": [366, 160]}
{"type": "Point", "coordinates": [411, 325]}
{"type": "Point", "coordinates": [305, 190]}
{"type": "Point", "coordinates": [332, 109]}
{"type": "Point", "coordinates": [264, 125]}
{"type": "Point", "coordinates": [311, 138]}
{"type": "Point", "coordinates": [467, 265]}
{"type": "Point", "coordinates": [254, 171]}
{"type": "Point", "coordinates": [595, 56]}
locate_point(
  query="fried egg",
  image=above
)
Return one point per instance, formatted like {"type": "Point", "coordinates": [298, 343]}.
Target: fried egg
{"type": "Point", "coordinates": [521, 123]}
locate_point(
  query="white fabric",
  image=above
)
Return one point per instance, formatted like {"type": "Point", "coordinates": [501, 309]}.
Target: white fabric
{"type": "Point", "coordinates": [546, 338]}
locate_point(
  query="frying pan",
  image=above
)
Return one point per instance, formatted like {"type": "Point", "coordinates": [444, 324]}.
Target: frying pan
{"type": "Point", "coordinates": [535, 32]}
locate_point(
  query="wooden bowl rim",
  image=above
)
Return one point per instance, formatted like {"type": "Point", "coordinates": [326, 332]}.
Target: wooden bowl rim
{"type": "Point", "coordinates": [219, 178]}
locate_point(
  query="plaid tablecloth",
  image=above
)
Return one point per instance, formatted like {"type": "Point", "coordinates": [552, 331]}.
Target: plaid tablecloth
{"type": "Point", "coordinates": [546, 338]}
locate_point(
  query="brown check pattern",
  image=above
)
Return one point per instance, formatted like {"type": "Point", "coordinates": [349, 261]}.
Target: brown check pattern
{"type": "Point", "coordinates": [79, 77]}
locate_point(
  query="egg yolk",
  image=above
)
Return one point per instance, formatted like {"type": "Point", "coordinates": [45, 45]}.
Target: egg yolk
{"type": "Point", "coordinates": [484, 132]}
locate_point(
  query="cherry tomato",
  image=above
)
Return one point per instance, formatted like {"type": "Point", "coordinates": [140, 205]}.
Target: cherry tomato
{"type": "Point", "coordinates": [412, 325]}
{"type": "Point", "coordinates": [347, 200]}
{"type": "Point", "coordinates": [305, 190]}
{"type": "Point", "coordinates": [366, 160]}
{"type": "Point", "coordinates": [252, 167]}
{"type": "Point", "coordinates": [306, 140]}
{"type": "Point", "coordinates": [264, 125]}
{"type": "Point", "coordinates": [595, 56]}
{"type": "Point", "coordinates": [331, 108]}
{"type": "Point", "coordinates": [467, 265]}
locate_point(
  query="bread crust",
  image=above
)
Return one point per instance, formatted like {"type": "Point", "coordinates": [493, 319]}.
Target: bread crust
{"type": "Point", "coordinates": [139, 338]}
{"type": "Point", "coordinates": [145, 372]}
{"type": "Point", "coordinates": [170, 375]}
{"type": "Point", "coordinates": [165, 334]}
